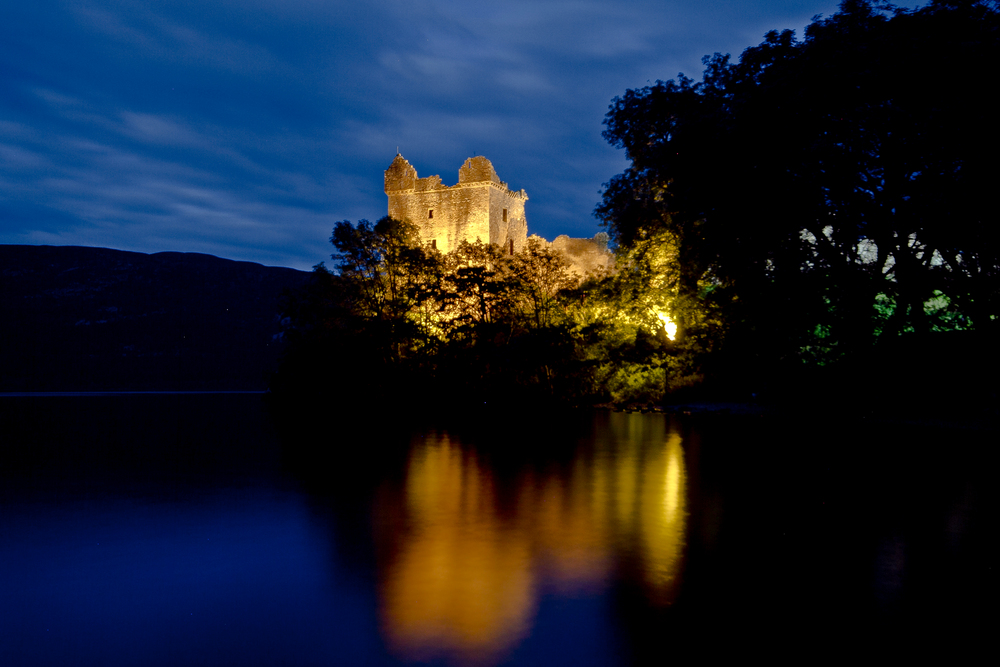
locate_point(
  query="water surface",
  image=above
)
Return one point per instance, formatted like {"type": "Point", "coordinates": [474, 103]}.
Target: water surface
{"type": "Point", "coordinates": [164, 530]}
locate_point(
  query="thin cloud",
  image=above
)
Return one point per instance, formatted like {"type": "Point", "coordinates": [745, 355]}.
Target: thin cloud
{"type": "Point", "coordinates": [246, 128]}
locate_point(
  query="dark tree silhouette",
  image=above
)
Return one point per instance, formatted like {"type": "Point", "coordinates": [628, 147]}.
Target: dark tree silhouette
{"type": "Point", "coordinates": [827, 193]}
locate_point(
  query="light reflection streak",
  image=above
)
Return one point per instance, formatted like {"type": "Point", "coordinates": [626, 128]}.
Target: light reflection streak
{"type": "Point", "coordinates": [463, 579]}
{"type": "Point", "coordinates": [663, 511]}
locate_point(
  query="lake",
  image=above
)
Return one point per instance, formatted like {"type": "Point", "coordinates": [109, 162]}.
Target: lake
{"type": "Point", "coordinates": [193, 529]}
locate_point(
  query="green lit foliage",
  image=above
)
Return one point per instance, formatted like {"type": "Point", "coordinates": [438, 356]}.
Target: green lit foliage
{"type": "Point", "coordinates": [938, 312]}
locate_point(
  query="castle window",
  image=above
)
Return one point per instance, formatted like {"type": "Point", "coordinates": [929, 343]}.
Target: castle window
{"type": "Point", "coordinates": [510, 243]}
{"type": "Point", "coordinates": [434, 243]}
{"type": "Point", "coordinates": [505, 215]}
{"type": "Point", "coordinates": [430, 213]}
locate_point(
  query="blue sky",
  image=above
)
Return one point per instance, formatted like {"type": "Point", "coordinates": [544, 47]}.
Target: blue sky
{"type": "Point", "coordinates": [247, 128]}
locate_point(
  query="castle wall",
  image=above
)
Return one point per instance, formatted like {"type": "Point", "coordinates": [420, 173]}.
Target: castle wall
{"type": "Point", "coordinates": [479, 206]}
{"type": "Point", "coordinates": [446, 216]}
{"type": "Point", "coordinates": [584, 256]}
{"type": "Point", "coordinates": [510, 226]}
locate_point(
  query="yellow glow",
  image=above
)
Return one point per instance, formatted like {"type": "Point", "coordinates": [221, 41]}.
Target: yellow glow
{"type": "Point", "coordinates": [461, 584]}
{"type": "Point", "coordinates": [664, 519]}
{"type": "Point", "coordinates": [668, 324]}
{"type": "Point", "coordinates": [461, 577]}
{"type": "Point", "coordinates": [571, 540]}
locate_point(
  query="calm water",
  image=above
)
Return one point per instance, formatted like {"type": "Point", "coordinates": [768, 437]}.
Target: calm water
{"type": "Point", "coordinates": [165, 530]}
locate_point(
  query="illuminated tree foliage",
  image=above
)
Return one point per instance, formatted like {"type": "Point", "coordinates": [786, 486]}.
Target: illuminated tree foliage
{"type": "Point", "coordinates": [398, 321]}
{"type": "Point", "coordinates": [819, 196]}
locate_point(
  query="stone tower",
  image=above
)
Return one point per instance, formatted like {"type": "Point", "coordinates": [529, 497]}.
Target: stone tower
{"type": "Point", "coordinates": [479, 206]}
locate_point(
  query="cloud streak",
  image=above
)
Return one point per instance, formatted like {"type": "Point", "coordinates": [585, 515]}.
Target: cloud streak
{"type": "Point", "coordinates": [246, 129]}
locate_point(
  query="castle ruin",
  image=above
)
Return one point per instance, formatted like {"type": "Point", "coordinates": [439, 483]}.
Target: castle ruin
{"type": "Point", "coordinates": [479, 206]}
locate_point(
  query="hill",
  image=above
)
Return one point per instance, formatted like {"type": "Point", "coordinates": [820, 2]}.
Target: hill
{"type": "Point", "coordinates": [95, 319]}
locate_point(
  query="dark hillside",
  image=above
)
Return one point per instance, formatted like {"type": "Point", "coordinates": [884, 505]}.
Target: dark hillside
{"type": "Point", "coordinates": [90, 319]}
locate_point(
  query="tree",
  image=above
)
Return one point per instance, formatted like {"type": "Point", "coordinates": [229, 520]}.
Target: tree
{"type": "Point", "coordinates": [387, 264]}
{"type": "Point", "coordinates": [539, 275]}
{"type": "Point", "coordinates": [399, 321]}
{"type": "Point", "coordinates": [827, 192]}
{"type": "Point", "coordinates": [476, 290]}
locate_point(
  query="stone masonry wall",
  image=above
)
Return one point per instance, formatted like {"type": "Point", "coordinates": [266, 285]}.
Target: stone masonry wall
{"type": "Point", "coordinates": [479, 206]}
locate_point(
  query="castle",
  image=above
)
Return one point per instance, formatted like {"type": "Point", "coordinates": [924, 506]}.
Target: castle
{"type": "Point", "coordinates": [480, 206]}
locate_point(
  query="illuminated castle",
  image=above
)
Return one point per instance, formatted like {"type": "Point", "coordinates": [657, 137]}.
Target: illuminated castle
{"type": "Point", "coordinates": [479, 206]}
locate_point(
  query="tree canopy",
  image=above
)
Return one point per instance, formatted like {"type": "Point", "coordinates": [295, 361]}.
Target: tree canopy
{"type": "Point", "coordinates": [827, 192]}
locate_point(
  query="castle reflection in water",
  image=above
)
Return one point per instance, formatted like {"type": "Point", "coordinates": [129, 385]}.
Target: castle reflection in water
{"type": "Point", "coordinates": [463, 569]}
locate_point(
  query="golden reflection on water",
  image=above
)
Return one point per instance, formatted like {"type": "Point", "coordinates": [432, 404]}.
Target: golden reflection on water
{"type": "Point", "coordinates": [463, 576]}
{"type": "Point", "coordinates": [462, 580]}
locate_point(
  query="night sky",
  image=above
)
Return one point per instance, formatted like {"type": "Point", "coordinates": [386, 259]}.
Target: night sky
{"type": "Point", "coordinates": [247, 128]}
